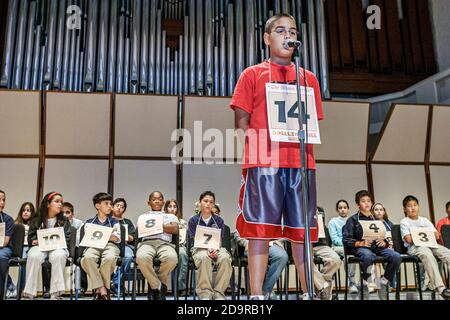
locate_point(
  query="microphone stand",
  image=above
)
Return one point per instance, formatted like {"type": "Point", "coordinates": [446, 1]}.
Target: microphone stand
{"type": "Point", "coordinates": [302, 137]}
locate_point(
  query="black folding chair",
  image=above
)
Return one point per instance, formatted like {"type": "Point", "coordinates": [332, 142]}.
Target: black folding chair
{"type": "Point", "coordinates": [406, 258]}
{"type": "Point", "coordinates": [16, 260]}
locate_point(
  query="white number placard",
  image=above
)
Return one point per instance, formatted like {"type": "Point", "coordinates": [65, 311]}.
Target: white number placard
{"type": "Point", "coordinates": [282, 111]}
{"type": "Point", "coordinates": [424, 237]}
{"type": "Point", "coordinates": [182, 235]}
{"type": "Point", "coordinates": [51, 239]}
{"type": "Point", "coordinates": [373, 230]}
{"type": "Point", "coordinates": [207, 238]}
{"type": "Point", "coordinates": [126, 231]}
{"type": "Point", "coordinates": [320, 226]}
{"type": "Point", "coordinates": [96, 236]}
{"type": "Point", "coordinates": [150, 224]}
{"type": "Point", "coordinates": [2, 233]}
{"type": "Point", "coordinates": [25, 239]}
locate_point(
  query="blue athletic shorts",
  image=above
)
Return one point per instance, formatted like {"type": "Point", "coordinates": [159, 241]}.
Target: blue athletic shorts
{"type": "Point", "coordinates": [271, 205]}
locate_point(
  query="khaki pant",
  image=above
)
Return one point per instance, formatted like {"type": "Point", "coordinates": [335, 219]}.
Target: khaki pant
{"type": "Point", "coordinates": [165, 252]}
{"type": "Point", "coordinates": [332, 263]}
{"type": "Point", "coordinates": [206, 289]}
{"type": "Point", "coordinates": [427, 256]}
{"type": "Point", "coordinates": [36, 257]}
{"type": "Point", "coordinates": [99, 264]}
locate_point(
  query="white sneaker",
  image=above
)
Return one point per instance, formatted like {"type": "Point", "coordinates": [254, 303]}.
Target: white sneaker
{"type": "Point", "coordinates": [326, 292]}
{"type": "Point", "coordinates": [270, 296]}
{"type": "Point", "coordinates": [384, 289]}
{"type": "Point", "coordinates": [258, 297]}
{"type": "Point", "coordinates": [11, 294]}
{"type": "Point", "coordinates": [353, 289]}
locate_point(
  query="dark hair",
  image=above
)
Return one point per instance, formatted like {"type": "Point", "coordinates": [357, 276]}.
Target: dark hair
{"type": "Point", "coordinates": [68, 205]}
{"type": "Point", "coordinates": [362, 193]}
{"type": "Point", "coordinates": [153, 193]}
{"type": "Point", "coordinates": [269, 23]}
{"type": "Point", "coordinates": [1, 191]}
{"type": "Point", "coordinates": [409, 198]}
{"type": "Point", "coordinates": [339, 201]}
{"type": "Point", "coordinates": [166, 205]}
{"type": "Point", "coordinates": [101, 196]}
{"type": "Point", "coordinates": [19, 219]}
{"type": "Point", "coordinates": [447, 205]}
{"type": "Point", "coordinates": [121, 200]}
{"type": "Point", "coordinates": [385, 216]}
{"type": "Point", "coordinates": [43, 207]}
{"type": "Point", "coordinates": [207, 193]}
{"type": "Point", "coordinates": [217, 207]}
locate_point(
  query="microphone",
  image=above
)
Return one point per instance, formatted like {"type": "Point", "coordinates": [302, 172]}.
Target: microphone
{"type": "Point", "coordinates": [291, 44]}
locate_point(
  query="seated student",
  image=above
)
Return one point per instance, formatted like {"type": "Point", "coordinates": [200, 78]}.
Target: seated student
{"type": "Point", "coordinates": [158, 246]}
{"type": "Point", "coordinates": [171, 207]}
{"type": "Point", "coordinates": [26, 213]}
{"type": "Point", "coordinates": [5, 245]}
{"type": "Point", "coordinates": [379, 213]}
{"type": "Point", "coordinates": [69, 212]}
{"type": "Point", "coordinates": [278, 260]}
{"type": "Point", "coordinates": [119, 208]}
{"type": "Point", "coordinates": [426, 255]}
{"type": "Point", "coordinates": [366, 250]}
{"type": "Point", "coordinates": [443, 221]}
{"type": "Point", "coordinates": [335, 226]}
{"type": "Point", "coordinates": [50, 216]}
{"type": "Point", "coordinates": [99, 264]}
{"type": "Point", "coordinates": [204, 259]}
{"type": "Point", "coordinates": [323, 279]}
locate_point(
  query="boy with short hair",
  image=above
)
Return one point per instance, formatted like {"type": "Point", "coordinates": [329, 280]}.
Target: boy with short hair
{"type": "Point", "coordinates": [158, 246]}
{"type": "Point", "coordinates": [270, 202]}
{"type": "Point", "coordinates": [443, 222]}
{"type": "Point", "coordinates": [367, 250]}
{"type": "Point", "coordinates": [425, 254]}
{"type": "Point", "coordinates": [99, 264]}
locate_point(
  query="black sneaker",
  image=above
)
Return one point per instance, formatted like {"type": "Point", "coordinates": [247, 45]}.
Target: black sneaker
{"type": "Point", "coordinates": [446, 294]}
{"type": "Point", "coordinates": [160, 294]}
{"type": "Point", "coordinates": [46, 295]}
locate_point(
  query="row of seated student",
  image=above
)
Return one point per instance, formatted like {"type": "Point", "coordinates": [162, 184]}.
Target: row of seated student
{"type": "Point", "coordinates": [344, 232]}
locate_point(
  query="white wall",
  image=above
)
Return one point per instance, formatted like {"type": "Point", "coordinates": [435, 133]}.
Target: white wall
{"type": "Point", "coordinates": [439, 10]}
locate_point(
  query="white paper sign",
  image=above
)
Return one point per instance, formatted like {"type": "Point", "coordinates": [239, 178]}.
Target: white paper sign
{"type": "Point", "coordinates": [51, 239]}
{"type": "Point", "coordinates": [207, 238]}
{"type": "Point", "coordinates": [320, 226]}
{"type": "Point", "coordinates": [424, 237]}
{"type": "Point", "coordinates": [282, 111]}
{"type": "Point", "coordinates": [2, 233]}
{"type": "Point", "coordinates": [373, 230]}
{"type": "Point", "coordinates": [182, 235]}
{"type": "Point", "coordinates": [150, 224]}
{"type": "Point", "coordinates": [126, 231]}
{"type": "Point", "coordinates": [96, 236]}
{"type": "Point", "coordinates": [25, 240]}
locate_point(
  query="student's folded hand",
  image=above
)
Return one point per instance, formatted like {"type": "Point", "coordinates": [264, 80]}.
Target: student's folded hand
{"type": "Point", "coordinates": [381, 243]}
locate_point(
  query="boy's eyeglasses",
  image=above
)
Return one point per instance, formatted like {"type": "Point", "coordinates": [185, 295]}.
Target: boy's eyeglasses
{"type": "Point", "coordinates": [283, 31]}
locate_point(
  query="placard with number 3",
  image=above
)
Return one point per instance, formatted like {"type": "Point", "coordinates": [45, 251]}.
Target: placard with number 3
{"type": "Point", "coordinates": [424, 237]}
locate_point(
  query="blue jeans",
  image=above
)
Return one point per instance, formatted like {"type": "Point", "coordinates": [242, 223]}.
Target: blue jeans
{"type": "Point", "coordinates": [5, 254]}
{"type": "Point", "coordinates": [278, 260]}
{"type": "Point", "coordinates": [182, 268]}
{"type": "Point", "coordinates": [125, 268]}
{"type": "Point", "coordinates": [367, 256]}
